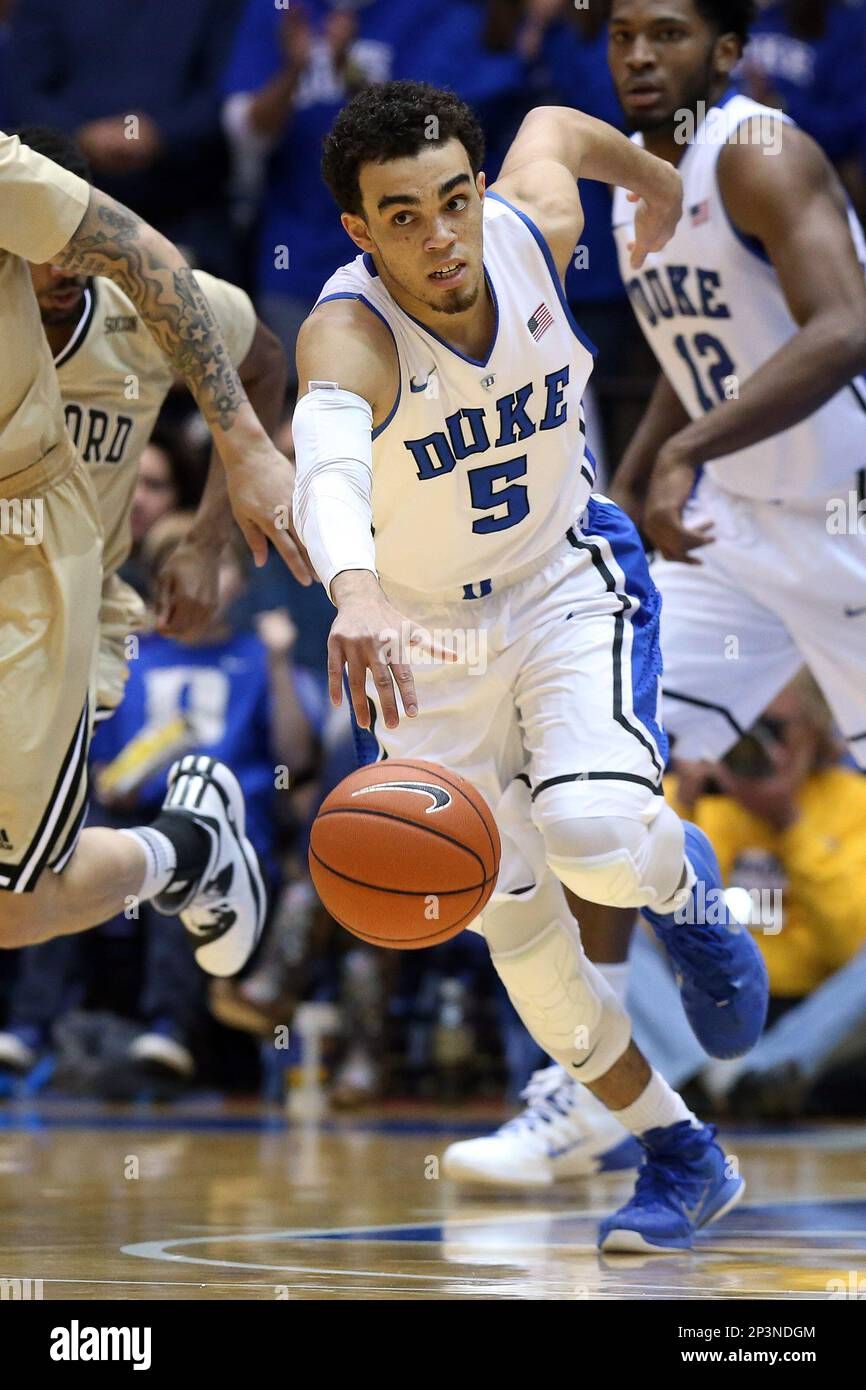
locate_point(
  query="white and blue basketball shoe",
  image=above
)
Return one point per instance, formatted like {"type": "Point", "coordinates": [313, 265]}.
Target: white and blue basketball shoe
{"type": "Point", "coordinates": [562, 1133]}
{"type": "Point", "coordinates": [223, 905]}
{"type": "Point", "coordinates": [720, 971]}
{"type": "Point", "coordinates": [684, 1183]}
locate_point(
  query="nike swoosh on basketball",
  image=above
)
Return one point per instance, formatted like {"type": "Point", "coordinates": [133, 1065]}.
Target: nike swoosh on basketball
{"type": "Point", "coordinates": [439, 797]}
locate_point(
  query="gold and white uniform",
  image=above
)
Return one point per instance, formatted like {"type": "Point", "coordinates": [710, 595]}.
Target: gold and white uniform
{"type": "Point", "coordinates": [50, 542]}
{"type": "Point", "coordinates": [51, 520]}
{"type": "Point", "coordinates": [113, 381]}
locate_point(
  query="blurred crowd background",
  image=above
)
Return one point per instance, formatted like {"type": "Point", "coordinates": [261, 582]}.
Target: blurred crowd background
{"type": "Point", "coordinates": [232, 100]}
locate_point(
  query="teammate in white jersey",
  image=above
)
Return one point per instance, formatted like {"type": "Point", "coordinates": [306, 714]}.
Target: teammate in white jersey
{"type": "Point", "coordinates": [54, 879]}
{"type": "Point", "coordinates": [113, 381]}
{"type": "Point", "coordinates": [441, 375]}
{"type": "Point", "coordinates": [756, 310]}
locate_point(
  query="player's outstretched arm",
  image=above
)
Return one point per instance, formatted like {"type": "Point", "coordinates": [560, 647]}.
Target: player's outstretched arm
{"type": "Point", "coordinates": [188, 583]}
{"type": "Point", "coordinates": [664, 416]}
{"type": "Point", "coordinates": [556, 146]}
{"type": "Point", "coordinates": [348, 380]}
{"type": "Point", "coordinates": [112, 241]}
{"type": "Point", "coordinates": [792, 201]}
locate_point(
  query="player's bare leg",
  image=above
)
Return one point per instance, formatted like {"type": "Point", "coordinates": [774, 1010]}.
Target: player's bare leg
{"type": "Point", "coordinates": [103, 877]}
{"type": "Point", "coordinates": [606, 932]}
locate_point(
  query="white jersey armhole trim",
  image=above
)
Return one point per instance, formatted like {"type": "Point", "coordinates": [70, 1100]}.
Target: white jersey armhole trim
{"type": "Point", "coordinates": [327, 299]}
{"type": "Point", "coordinates": [551, 266]}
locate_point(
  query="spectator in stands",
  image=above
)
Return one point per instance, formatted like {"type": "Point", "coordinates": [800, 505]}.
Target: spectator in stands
{"type": "Point", "coordinates": [488, 52]}
{"type": "Point", "coordinates": [274, 587]}
{"type": "Point", "coordinates": [787, 818]}
{"type": "Point", "coordinates": [809, 58]}
{"type": "Point", "coordinates": [139, 86]}
{"type": "Point", "coordinates": [5, 108]}
{"type": "Point", "coordinates": [290, 73]}
{"type": "Point", "coordinates": [170, 479]}
{"type": "Point", "coordinates": [292, 70]}
{"type": "Point", "coordinates": [574, 53]}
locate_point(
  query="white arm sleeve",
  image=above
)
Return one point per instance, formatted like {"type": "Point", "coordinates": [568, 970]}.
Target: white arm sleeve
{"type": "Point", "coordinates": [333, 505]}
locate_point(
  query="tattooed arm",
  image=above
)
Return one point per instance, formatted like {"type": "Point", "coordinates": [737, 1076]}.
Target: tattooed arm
{"type": "Point", "coordinates": [114, 242]}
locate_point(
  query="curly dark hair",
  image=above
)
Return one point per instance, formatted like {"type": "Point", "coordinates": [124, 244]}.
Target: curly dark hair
{"type": "Point", "coordinates": [729, 16]}
{"type": "Point", "coordinates": [55, 144]}
{"type": "Point", "coordinates": [391, 121]}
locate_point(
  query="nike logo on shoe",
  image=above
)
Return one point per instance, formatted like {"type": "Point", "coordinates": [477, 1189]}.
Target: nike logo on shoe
{"type": "Point", "coordinates": [224, 920]}
{"type": "Point", "coordinates": [694, 1211]}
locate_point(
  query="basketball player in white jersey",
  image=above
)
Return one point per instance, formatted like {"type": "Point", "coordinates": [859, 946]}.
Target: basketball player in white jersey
{"type": "Point", "coordinates": [114, 380]}
{"type": "Point", "coordinates": [195, 859]}
{"type": "Point", "coordinates": [747, 470]}
{"type": "Point", "coordinates": [441, 376]}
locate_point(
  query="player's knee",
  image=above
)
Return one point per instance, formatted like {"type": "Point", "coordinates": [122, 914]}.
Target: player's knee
{"type": "Point", "coordinates": [615, 860]}
{"type": "Point", "coordinates": [562, 999]}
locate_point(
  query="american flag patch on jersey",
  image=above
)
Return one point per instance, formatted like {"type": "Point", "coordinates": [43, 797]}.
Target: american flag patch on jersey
{"type": "Point", "coordinates": [700, 213]}
{"type": "Point", "coordinates": [540, 322]}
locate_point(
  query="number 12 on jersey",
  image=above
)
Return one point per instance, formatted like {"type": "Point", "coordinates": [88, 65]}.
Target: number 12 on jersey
{"type": "Point", "coordinates": [713, 362]}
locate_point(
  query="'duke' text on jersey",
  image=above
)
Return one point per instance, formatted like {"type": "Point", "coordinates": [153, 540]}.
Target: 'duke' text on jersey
{"type": "Point", "coordinates": [677, 290]}
{"type": "Point", "coordinates": [475, 429]}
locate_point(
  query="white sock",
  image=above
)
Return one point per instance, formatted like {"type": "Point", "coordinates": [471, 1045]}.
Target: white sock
{"type": "Point", "coordinates": [617, 977]}
{"type": "Point", "coordinates": [655, 1108]}
{"type": "Point", "coordinates": [160, 859]}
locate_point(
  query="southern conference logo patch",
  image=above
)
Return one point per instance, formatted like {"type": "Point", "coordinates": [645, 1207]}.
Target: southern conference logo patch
{"type": "Point", "coordinates": [121, 323]}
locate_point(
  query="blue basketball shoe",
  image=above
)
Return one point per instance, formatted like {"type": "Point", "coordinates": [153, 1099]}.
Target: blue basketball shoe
{"type": "Point", "coordinates": [682, 1186]}
{"type": "Point", "coordinates": [720, 971]}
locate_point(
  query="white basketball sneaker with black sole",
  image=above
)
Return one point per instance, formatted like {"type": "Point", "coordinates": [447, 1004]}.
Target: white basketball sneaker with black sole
{"type": "Point", "coordinates": [224, 908]}
{"type": "Point", "coordinates": [563, 1133]}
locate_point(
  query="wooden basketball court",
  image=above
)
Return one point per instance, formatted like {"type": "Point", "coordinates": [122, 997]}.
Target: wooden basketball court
{"type": "Point", "coordinates": [212, 1201]}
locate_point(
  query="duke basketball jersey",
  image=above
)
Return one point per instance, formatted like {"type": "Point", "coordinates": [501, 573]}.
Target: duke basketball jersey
{"type": "Point", "coordinates": [713, 311]}
{"type": "Point", "coordinates": [481, 465]}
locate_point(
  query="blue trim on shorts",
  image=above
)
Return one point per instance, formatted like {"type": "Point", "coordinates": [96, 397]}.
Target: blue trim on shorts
{"type": "Point", "coordinates": [368, 749]}
{"type": "Point", "coordinates": [608, 520]}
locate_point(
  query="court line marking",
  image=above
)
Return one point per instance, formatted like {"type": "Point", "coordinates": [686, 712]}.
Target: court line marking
{"type": "Point", "coordinates": [479, 1288]}
{"type": "Point", "coordinates": [161, 1250]}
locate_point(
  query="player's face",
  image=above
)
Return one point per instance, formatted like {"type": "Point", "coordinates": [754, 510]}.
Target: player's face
{"type": "Point", "coordinates": [60, 296]}
{"type": "Point", "coordinates": [422, 221]}
{"type": "Point", "coordinates": [155, 494]}
{"type": "Point", "coordinates": [664, 58]}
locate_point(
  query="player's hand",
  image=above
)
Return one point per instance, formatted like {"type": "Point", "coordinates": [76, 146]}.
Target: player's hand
{"type": "Point", "coordinates": [277, 631]}
{"type": "Point", "coordinates": [103, 142]}
{"type": "Point", "coordinates": [694, 776]}
{"type": "Point", "coordinates": [671, 483]}
{"type": "Point", "coordinates": [260, 487]}
{"type": "Point", "coordinates": [296, 39]}
{"type": "Point", "coordinates": [187, 590]}
{"type": "Point", "coordinates": [629, 496]}
{"type": "Point", "coordinates": [369, 634]}
{"type": "Point", "coordinates": [145, 144]}
{"type": "Point", "coordinates": [657, 215]}
{"type": "Point", "coordinates": [772, 798]}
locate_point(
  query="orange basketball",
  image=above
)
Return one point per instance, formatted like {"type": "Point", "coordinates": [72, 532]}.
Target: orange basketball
{"type": "Point", "coordinates": [404, 853]}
